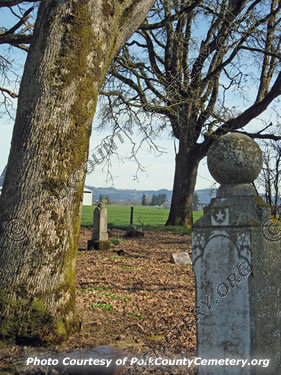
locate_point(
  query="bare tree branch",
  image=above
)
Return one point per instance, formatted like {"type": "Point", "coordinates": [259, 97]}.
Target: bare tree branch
{"type": "Point", "coordinates": [261, 136]}
{"type": "Point", "coordinates": [10, 3]}
{"type": "Point", "coordinates": [268, 53]}
{"type": "Point", "coordinates": [253, 111]}
{"type": "Point", "coordinates": [20, 23]}
{"type": "Point", "coordinates": [12, 94]}
{"type": "Point", "coordinates": [15, 39]}
{"type": "Point", "coordinates": [171, 18]}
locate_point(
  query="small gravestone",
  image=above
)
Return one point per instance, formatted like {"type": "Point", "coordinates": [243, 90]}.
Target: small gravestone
{"type": "Point", "coordinates": [99, 239]}
{"type": "Point", "coordinates": [180, 258]}
{"type": "Point", "coordinates": [237, 269]}
{"type": "Point", "coordinates": [133, 231]}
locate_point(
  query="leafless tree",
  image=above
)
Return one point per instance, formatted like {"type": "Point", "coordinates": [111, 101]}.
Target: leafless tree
{"type": "Point", "coordinates": [183, 68]}
{"type": "Point", "coordinates": [270, 177]}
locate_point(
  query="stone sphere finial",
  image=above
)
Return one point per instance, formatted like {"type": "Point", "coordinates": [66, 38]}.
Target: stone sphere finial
{"type": "Point", "coordinates": [234, 159]}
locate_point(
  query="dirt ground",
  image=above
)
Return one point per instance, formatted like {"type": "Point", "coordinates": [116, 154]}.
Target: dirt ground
{"type": "Point", "coordinates": [129, 297]}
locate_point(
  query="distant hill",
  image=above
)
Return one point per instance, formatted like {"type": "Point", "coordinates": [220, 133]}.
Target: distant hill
{"type": "Point", "coordinates": [126, 194]}
{"type": "Point", "coordinates": [204, 195]}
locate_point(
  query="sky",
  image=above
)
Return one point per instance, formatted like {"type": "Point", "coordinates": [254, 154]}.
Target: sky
{"type": "Point", "coordinates": [158, 168]}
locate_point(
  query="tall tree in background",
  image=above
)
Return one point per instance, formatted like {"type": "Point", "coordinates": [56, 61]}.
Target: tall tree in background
{"type": "Point", "coordinates": [162, 198]}
{"type": "Point", "coordinates": [153, 200]}
{"type": "Point", "coordinates": [195, 205]}
{"type": "Point", "coordinates": [270, 177]}
{"type": "Point", "coordinates": [184, 66]}
{"type": "Point", "coordinates": [107, 199]}
{"type": "Point", "coordinates": [143, 200]}
{"type": "Point", "coordinates": [158, 200]}
{"type": "Point", "coordinates": [72, 46]}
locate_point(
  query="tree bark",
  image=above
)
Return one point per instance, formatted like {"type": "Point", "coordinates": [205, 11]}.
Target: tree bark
{"type": "Point", "coordinates": [187, 161]}
{"type": "Point", "coordinates": [72, 47]}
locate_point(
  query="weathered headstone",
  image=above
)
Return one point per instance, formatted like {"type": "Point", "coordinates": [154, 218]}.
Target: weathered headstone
{"type": "Point", "coordinates": [237, 269]}
{"type": "Point", "coordinates": [99, 235]}
{"type": "Point", "coordinates": [180, 258]}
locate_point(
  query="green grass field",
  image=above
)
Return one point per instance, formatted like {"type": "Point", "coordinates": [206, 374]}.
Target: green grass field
{"type": "Point", "coordinates": [152, 218]}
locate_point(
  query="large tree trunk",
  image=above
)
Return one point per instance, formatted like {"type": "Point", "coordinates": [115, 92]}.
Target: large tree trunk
{"type": "Point", "coordinates": [73, 44]}
{"type": "Point", "coordinates": [187, 161]}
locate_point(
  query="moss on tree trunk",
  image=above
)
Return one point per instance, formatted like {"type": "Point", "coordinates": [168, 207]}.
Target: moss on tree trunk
{"type": "Point", "coordinates": [72, 46]}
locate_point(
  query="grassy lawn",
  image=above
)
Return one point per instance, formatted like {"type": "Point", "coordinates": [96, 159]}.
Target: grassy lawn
{"type": "Point", "coordinates": [147, 217]}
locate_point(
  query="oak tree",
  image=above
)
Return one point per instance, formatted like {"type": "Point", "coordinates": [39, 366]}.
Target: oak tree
{"type": "Point", "coordinates": [183, 69]}
{"type": "Point", "coordinates": [72, 46]}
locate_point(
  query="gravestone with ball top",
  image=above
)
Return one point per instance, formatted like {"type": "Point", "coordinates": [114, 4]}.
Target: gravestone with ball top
{"type": "Point", "coordinates": [237, 266]}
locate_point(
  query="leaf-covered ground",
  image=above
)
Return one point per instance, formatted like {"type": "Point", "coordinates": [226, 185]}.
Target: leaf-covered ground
{"type": "Point", "coordinates": [130, 297]}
